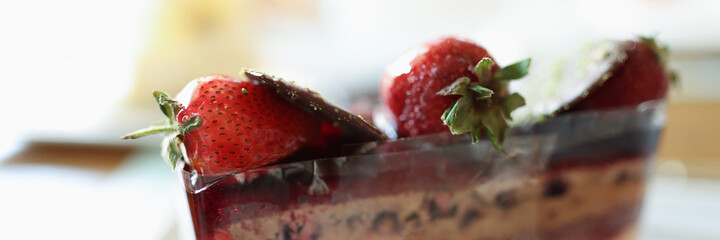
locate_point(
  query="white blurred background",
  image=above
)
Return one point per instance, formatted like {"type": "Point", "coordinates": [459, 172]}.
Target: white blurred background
{"type": "Point", "coordinates": [78, 74]}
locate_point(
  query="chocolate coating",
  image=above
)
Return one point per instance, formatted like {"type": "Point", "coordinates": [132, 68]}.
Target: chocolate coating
{"type": "Point", "coordinates": [351, 125]}
{"type": "Point", "coordinates": [588, 71]}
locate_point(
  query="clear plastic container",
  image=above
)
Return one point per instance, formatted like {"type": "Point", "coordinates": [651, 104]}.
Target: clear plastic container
{"type": "Point", "coordinates": [576, 176]}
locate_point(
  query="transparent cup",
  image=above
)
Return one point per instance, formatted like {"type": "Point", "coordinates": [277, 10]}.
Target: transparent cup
{"type": "Point", "coordinates": [575, 176]}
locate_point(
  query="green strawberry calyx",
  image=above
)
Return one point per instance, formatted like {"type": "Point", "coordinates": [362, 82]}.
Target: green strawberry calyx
{"type": "Point", "coordinates": [662, 53]}
{"type": "Point", "coordinates": [484, 107]}
{"type": "Point", "coordinates": [172, 147]}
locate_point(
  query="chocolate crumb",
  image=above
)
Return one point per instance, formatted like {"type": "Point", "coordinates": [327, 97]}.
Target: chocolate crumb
{"type": "Point", "coordinates": [312, 233]}
{"type": "Point", "coordinates": [287, 232]}
{"type": "Point", "coordinates": [386, 222]}
{"type": "Point", "coordinates": [506, 200]}
{"type": "Point", "coordinates": [353, 221]}
{"type": "Point", "coordinates": [555, 188]}
{"type": "Point", "coordinates": [469, 217]}
{"type": "Point", "coordinates": [622, 176]}
{"type": "Point", "coordinates": [437, 213]}
{"type": "Point", "coordinates": [414, 217]}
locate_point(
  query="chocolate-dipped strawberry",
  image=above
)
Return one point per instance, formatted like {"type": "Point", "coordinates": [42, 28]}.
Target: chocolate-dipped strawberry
{"type": "Point", "coordinates": [350, 125]}
{"type": "Point", "coordinates": [616, 74]}
{"type": "Point", "coordinates": [221, 124]}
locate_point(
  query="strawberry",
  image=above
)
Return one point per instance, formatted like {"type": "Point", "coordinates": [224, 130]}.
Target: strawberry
{"type": "Point", "coordinates": [225, 124]}
{"type": "Point", "coordinates": [639, 75]}
{"type": "Point", "coordinates": [451, 85]}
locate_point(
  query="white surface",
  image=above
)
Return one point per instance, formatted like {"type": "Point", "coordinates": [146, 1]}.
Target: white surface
{"type": "Point", "coordinates": [681, 208]}
{"type": "Point", "coordinates": [44, 202]}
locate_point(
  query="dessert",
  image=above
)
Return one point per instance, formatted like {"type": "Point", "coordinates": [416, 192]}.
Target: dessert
{"type": "Point", "coordinates": [577, 174]}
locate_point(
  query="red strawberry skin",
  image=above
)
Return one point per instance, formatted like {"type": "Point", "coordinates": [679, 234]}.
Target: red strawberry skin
{"type": "Point", "coordinates": [244, 125]}
{"type": "Point", "coordinates": [641, 77]}
{"type": "Point", "coordinates": [412, 95]}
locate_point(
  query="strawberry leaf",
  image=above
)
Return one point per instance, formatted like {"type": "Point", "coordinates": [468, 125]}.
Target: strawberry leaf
{"type": "Point", "coordinates": [483, 69]}
{"type": "Point", "coordinates": [458, 87]}
{"type": "Point", "coordinates": [462, 86]}
{"type": "Point", "coordinates": [512, 102]}
{"type": "Point", "coordinates": [171, 150]}
{"type": "Point", "coordinates": [168, 106]}
{"type": "Point", "coordinates": [192, 123]}
{"type": "Point", "coordinates": [477, 133]}
{"type": "Point", "coordinates": [481, 93]}
{"type": "Point", "coordinates": [495, 125]}
{"type": "Point", "coordinates": [459, 116]}
{"type": "Point", "coordinates": [513, 71]}
{"type": "Point", "coordinates": [492, 138]}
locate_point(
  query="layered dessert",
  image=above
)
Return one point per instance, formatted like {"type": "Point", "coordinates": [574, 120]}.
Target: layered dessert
{"type": "Point", "coordinates": [262, 158]}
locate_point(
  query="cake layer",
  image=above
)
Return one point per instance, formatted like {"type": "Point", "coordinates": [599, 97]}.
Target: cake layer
{"type": "Point", "coordinates": [574, 203]}
{"type": "Point", "coordinates": [579, 176]}
{"type": "Point", "coordinates": [269, 191]}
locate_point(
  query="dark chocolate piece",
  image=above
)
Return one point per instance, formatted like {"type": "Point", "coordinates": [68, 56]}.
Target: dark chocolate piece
{"type": "Point", "coordinates": [352, 126]}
